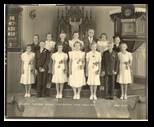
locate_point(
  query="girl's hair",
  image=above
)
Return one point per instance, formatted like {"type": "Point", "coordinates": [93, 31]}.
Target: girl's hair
{"type": "Point", "coordinates": [62, 33]}
{"type": "Point", "coordinates": [77, 42]}
{"type": "Point", "coordinates": [90, 29]}
{"type": "Point", "coordinates": [75, 32]}
{"type": "Point", "coordinates": [123, 44]}
{"type": "Point", "coordinates": [36, 35]}
{"type": "Point", "coordinates": [48, 34]}
{"type": "Point", "coordinates": [93, 43]}
{"type": "Point", "coordinates": [116, 37]}
{"type": "Point", "coordinates": [103, 34]}
{"type": "Point", "coordinates": [28, 45]}
{"type": "Point", "coordinates": [59, 44]}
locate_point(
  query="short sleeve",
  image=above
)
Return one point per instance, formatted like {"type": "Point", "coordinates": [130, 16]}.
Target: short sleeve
{"type": "Point", "coordinates": [87, 57]}
{"type": "Point", "coordinates": [53, 56]}
{"type": "Point", "coordinates": [99, 57]}
{"type": "Point", "coordinates": [22, 56]}
{"type": "Point", "coordinates": [70, 55]}
{"type": "Point", "coordinates": [65, 56]}
{"type": "Point", "coordinates": [83, 55]}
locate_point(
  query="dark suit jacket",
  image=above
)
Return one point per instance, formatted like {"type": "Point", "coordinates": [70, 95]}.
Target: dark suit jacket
{"type": "Point", "coordinates": [66, 47]}
{"type": "Point", "coordinates": [35, 47]}
{"type": "Point", "coordinates": [110, 62]}
{"type": "Point", "coordinates": [42, 59]}
{"type": "Point", "coordinates": [117, 49]}
{"type": "Point", "coordinates": [87, 44]}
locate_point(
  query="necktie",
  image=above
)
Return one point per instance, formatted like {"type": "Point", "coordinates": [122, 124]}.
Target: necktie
{"type": "Point", "coordinates": [90, 40]}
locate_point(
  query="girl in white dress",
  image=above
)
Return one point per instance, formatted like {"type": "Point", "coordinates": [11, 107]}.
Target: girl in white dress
{"type": "Point", "coordinates": [50, 46]}
{"type": "Point", "coordinates": [103, 43]}
{"type": "Point", "coordinates": [27, 69]}
{"type": "Point", "coordinates": [124, 75]}
{"type": "Point", "coordinates": [59, 70]}
{"type": "Point", "coordinates": [75, 38]}
{"type": "Point", "coordinates": [93, 69]}
{"type": "Point", "coordinates": [76, 70]}
{"type": "Point", "coordinates": [102, 46]}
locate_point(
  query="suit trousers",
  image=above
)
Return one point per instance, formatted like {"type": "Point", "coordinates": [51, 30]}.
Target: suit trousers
{"type": "Point", "coordinates": [109, 85]}
{"type": "Point", "coordinates": [41, 83]}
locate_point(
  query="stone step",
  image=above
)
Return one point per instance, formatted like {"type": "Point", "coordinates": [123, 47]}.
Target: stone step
{"type": "Point", "coordinates": [135, 89]}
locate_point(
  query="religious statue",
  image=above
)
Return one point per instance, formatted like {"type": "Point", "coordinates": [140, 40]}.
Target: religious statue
{"type": "Point", "coordinates": [75, 25]}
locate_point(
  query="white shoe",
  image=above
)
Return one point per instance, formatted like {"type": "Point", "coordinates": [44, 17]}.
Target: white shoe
{"type": "Point", "coordinates": [95, 98]}
{"type": "Point", "coordinates": [60, 96]}
{"type": "Point", "coordinates": [75, 97]}
{"type": "Point", "coordinates": [91, 97]}
{"type": "Point", "coordinates": [78, 97]}
{"type": "Point", "coordinates": [122, 96]}
{"type": "Point", "coordinates": [26, 95]}
{"type": "Point", "coordinates": [57, 96]}
{"type": "Point", "coordinates": [125, 97]}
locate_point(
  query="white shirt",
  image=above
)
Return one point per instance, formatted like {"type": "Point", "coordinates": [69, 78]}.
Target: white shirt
{"type": "Point", "coordinates": [90, 39]}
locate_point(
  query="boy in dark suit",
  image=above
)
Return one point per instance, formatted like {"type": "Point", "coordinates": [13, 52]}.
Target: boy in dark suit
{"type": "Point", "coordinates": [117, 43]}
{"type": "Point", "coordinates": [35, 45]}
{"type": "Point", "coordinates": [89, 40]}
{"type": "Point", "coordinates": [41, 69]}
{"type": "Point", "coordinates": [65, 43]}
{"type": "Point", "coordinates": [110, 67]}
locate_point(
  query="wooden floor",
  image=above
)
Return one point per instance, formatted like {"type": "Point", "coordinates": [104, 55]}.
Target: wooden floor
{"type": "Point", "coordinates": [49, 108]}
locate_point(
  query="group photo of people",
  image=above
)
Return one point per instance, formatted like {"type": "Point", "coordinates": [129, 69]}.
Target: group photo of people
{"type": "Point", "coordinates": [98, 63]}
{"type": "Point", "coordinates": [67, 61]}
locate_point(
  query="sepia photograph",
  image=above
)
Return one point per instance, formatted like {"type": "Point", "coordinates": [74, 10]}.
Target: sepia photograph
{"type": "Point", "coordinates": [76, 62]}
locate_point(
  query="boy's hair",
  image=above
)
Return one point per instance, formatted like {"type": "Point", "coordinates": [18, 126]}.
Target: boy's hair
{"type": "Point", "coordinates": [42, 41]}
{"type": "Point", "coordinates": [103, 34]}
{"type": "Point", "coordinates": [93, 43]}
{"type": "Point", "coordinates": [49, 34]}
{"type": "Point", "coordinates": [91, 29]}
{"type": "Point", "coordinates": [36, 35]}
{"type": "Point", "coordinates": [124, 44]}
{"type": "Point", "coordinates": [110, 43]}
{"type": "Point", "coordinates": [77, 42]}
{"type": "Point", "coordinates": [59, 44]}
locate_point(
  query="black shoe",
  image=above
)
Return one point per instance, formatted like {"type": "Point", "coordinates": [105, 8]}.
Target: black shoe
{"type": "Point", "coordinates": [43, 95]}
{"type": "Point", "coordinates": [107, 97]}
{"type": "Point", "coordinates": [111, 97]}
{"type": "Point", "coordinates": [39, 95]}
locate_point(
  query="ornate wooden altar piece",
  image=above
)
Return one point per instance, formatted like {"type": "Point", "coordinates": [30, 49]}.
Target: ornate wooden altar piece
{"type": "Point", "coordinates": [130, 25]}
{"type": "Point", "coordinates": [74, 14]}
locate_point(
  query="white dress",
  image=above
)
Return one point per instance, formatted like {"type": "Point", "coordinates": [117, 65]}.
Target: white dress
{"type": "Point", "coordinates": [71, 43]}
{"type": "Point", "coordinates": [50, 45]}
{"type": "Point", "coordinates": [102, 46]}
{"type": "Point", "coordinates": [93, 60]}
{"type": "Point", "coordinates": [28, 77]}
{"type": "Point", "coordinates": [59, 75]}
{"type": "Point", "coordinates": [77, 79]}
{"type": "Point", "coordinates": [124, 75]}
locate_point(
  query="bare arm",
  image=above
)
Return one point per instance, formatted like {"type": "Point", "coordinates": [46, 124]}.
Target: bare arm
{"type": "Point", "coordinates": [53, 67]}
{"type": "Point", "coordinates": [87, 64]}
{"type": "Point", "coordinates": [70, 66]}
{"type": "Point", "coordinates": [22, 67]}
